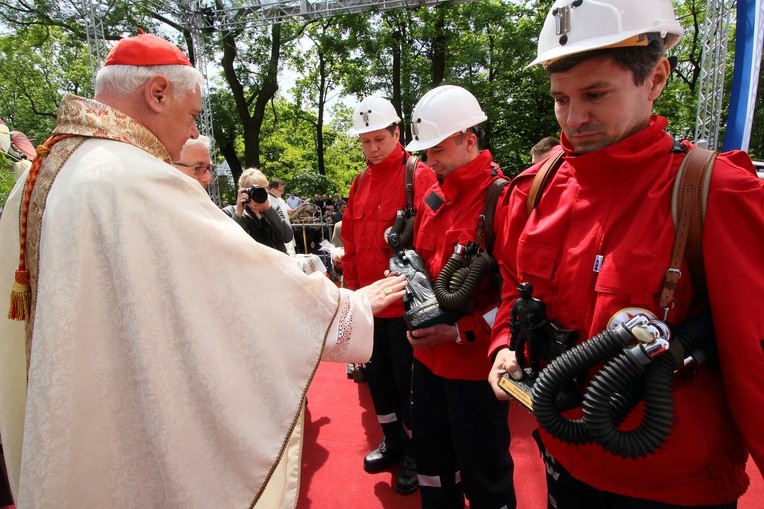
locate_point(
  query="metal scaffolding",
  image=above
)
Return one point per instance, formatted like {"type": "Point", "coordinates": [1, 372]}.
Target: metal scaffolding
{"type": "Point", "coordinates": [266, 12]}
{"type": "Point", "coordinates": [196, 18]}
{"type": "Point", "coordinates": [715, 38]}
{"type": "Point", "coordinates": [94, 32]}
{"type": "Point", "coordinates": [195, 21]}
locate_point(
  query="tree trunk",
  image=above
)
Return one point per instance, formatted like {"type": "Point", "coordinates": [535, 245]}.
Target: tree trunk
{"type": "Point", "coordinates": [397, 42]}
{"type": "Point", "coordinates": [322, 92]}
{"type": "Point", "coordinates": [268, 89]}
{"type": "Point", "coordinates": [438, 69]}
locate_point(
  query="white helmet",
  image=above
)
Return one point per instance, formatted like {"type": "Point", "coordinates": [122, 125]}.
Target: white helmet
{"type": "Point", "coordinates": [441, 112]}
{"type": "Point", "coordinates": [576, 26]}
{"type": "Point", "coordinates": [374, 113]}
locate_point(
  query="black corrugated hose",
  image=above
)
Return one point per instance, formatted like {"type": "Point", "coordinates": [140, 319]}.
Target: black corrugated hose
{"type": "Point", "coordinates": [456, 283]}
{"type": "Point", "coordinates": [561, 371]}
{"type": "Point", "coordinates": [404, 227]}
{"type": "Point", "coordinates": [617, 388]}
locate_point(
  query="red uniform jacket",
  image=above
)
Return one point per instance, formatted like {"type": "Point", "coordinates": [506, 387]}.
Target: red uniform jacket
{"type": "Point", "coordinates": [372, 205]}
{"type": "Point", "coordinates": [615, 203]}
{"type": "Point", "coordinates": [449, 217]}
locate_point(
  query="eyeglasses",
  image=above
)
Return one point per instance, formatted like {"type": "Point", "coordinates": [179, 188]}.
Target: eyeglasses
{"type": "Point", "coordinates": [199, 170]}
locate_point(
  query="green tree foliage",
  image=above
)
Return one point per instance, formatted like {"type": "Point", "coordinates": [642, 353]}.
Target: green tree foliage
{"type": "Point", "coordinates": [309, 183]}
{"type": "Point", "coordinates": [344, 156]}
{"type": "Point", "coordinates": [490, 59]}
{"type": "Point", "coordinates": [288, 143]}
{"type": "Point", "coordinates": [289, 150]}
{"type": "Point", "coordinates": [38, 65]}
{"type": "Point", "coordinates": [227, 130]}
{"type": "Point", "coordinates": [322, 67]}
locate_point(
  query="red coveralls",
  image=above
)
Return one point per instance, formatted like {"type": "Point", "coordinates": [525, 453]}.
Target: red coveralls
{"type": "Point", "coordinates": [615, 203]}
{"type": "Point", "coordinates": [373, 202]}
{"type": "Point", "coordinates": [454, 408]}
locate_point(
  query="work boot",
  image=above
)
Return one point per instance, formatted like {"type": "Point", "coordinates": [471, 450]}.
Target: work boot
{"type": "Point", "coordinates": [407, 481]}
{"type": "Point", "coordinates": [382, 457]}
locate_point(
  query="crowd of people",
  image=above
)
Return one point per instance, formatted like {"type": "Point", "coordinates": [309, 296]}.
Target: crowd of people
{"type": "Point", "coordinates": [260, 207]}
{"type": "Point", "coordinates": [121, 351]}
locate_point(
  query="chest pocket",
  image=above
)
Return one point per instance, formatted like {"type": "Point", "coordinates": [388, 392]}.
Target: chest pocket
{"type": "Point", "coordinates": [372, 223]}
{"type": "Point", "coordinates": [636, 278]}
{"type": "Point", "coordinates": [427, 241]}
{"type": "Point", "coordinates": [535, 260]}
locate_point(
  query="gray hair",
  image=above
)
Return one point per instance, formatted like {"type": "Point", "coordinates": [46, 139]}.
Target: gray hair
{"type": "Point", "coordinates": [125, 79]}
{"type": "Point", "coordinates": [202, 140]}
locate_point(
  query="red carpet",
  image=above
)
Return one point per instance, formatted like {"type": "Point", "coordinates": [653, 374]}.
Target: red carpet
{"type": "Point", "coordinates": [340, 428]}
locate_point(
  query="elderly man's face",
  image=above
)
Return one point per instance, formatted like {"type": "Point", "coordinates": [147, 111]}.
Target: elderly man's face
{"type": "Point", "coordinates": [178, 122]}
{"type": "Point", "coordinates": [196, 163]}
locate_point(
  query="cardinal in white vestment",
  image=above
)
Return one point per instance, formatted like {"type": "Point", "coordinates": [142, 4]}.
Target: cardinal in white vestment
{"type": "Point", "coordinates": [142, 373]}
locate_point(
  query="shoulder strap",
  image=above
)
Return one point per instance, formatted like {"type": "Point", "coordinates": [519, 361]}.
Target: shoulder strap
{"type": "Point", "coordinates": [688, 207]}
{"type": "Point", "coordinates": [358, 179]}
{"type": "Point", "coordinates": [489, 209]}
{"type": "Point", "coordinates": [541, 179]}
{"type": "Point", "coordinates": [411, 163]}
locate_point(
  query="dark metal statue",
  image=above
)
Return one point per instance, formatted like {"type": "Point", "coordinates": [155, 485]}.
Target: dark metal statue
{"type": "Point", "coordinates": [529, 326]}
{"type": "Point", "coordinates": [422, 308]}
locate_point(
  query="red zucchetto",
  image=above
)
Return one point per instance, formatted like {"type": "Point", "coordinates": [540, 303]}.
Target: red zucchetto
{"type": "Point", "coordinates": [145, 49]}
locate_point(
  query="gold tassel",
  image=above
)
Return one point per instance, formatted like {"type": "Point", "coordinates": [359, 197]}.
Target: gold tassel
{"type": "Point", "coordinates": [21, 297]}
{"type": "Point", "coordinates": [21, 294]}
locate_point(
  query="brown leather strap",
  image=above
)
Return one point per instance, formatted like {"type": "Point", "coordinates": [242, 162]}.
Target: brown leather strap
{"type": "Point", "coordinates": [411, 163]}
{"type": "Point", "coordinates": [688, 206]}
{"type": "Point", "coordinates": [489, 209]}
{"type": "Point", "coordinates": [541, 179]}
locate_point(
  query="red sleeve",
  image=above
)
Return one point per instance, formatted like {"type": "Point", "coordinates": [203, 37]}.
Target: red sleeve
{"type": "Point", "coordinates": [424, 179]}
{"type": "Point", "coordinates": [732, 256]}
{"type": "Point", "coordinates": [349, 273]}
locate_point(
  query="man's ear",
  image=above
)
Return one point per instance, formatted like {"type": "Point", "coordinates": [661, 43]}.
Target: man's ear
{"type": "Point", "coordinates": [156, 92]}
{"type": "Point", "coordinates": [472, 139]}
{"type": "Point", "coordinates": [657, 80]}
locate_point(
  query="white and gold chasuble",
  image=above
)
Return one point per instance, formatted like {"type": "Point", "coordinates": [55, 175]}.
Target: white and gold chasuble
{"type": "Point", "coordinates": [170, 352]}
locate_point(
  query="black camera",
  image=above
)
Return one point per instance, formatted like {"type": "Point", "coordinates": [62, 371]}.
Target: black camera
{"type": "Point", "coordinates": [257, 194]}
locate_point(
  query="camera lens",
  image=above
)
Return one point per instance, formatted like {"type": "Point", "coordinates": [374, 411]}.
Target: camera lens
{"type": "Point", "coordinates": [257, 194]}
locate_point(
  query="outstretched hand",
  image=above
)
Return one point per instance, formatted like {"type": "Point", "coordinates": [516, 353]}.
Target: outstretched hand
{"type": "Point", "coordinates": [384, 292]}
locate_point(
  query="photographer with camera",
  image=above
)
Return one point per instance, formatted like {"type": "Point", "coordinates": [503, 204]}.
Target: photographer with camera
{"type": "Point", "coordinates": [256, 214]}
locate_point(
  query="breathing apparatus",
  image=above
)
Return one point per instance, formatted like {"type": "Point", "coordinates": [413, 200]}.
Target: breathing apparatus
{"type": "Point", "coordinates": [403, 227]}
{"type": "Point", "coordinates": [451, 294]}
{"type": "Point", "coordinates": [439, 114]}
{"type": "Point", "coordinates": [642, 372]}
{"type": "Point", "coordinates": [460, 276]}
